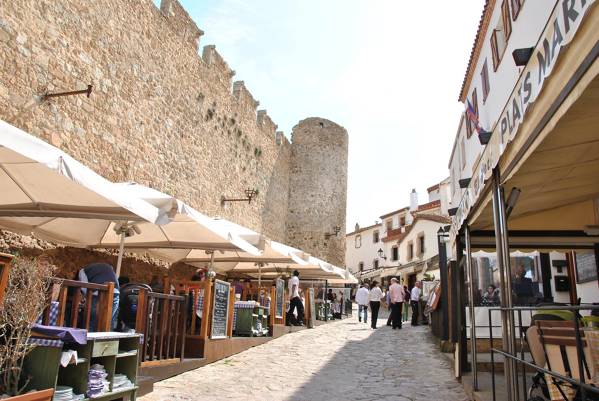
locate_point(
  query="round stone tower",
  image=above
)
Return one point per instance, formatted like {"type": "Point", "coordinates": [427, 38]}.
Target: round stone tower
{"type": "Point", "coordinates": [318, 189]}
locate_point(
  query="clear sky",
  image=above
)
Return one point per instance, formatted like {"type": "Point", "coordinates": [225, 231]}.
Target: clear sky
{"type": "Point", "coordinates": [389, 71]}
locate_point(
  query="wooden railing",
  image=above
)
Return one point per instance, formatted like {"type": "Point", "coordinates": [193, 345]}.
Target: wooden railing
{"type": "Point", "coordinates": [5, 260]}
{"type": "Point", "coordinates": [198, 292]}
{"type": "Point", "coordinates": [75, 307]}
{"type": "Point", "coordinates": [161, 318]}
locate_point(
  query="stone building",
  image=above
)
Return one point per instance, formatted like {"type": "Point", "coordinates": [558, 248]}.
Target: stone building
{"type": "Point", "coordinates": [164, 116]}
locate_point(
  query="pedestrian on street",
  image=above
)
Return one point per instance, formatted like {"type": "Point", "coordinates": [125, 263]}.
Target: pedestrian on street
{"type": "Point", "coordinates": [414, 301]}
{"type": "Point", "coordinates": [375, 302]}
{"type": "Point", "coordinates": [362, 298]}
{"type": "Point", "coordinates": [396, 295]}
{"type": "Point", "coordinates": [294, 299]}
{"type": "Point", "coordinates": [406, 304]}
{"type": "Point", "coordinates": [388, 302]}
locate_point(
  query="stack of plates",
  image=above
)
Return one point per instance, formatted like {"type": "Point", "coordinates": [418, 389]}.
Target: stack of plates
{"type": "Point", "coordinates": [120, 382]}
{"type": "Point", "coordinates": [63, 393]}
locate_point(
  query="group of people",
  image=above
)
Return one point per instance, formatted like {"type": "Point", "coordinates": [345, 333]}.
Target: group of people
{"type": "Point", "coordinates": [371, 296]}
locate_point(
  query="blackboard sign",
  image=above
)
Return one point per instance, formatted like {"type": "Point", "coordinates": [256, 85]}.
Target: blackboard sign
{"type": "Point", "coordinates": [312, 308]}
{"type": "Point", "coordinates": [220, 309]}
{"type": "Point", "coordinates": [279, 298]}
{"type": "Point", "coordinates": [586, 267]}
{"type": "Point", "coordinates": [347, 305]}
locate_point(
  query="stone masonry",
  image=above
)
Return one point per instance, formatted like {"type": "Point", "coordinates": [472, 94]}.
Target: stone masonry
{"type": "Point", "coordinates": [164, 116]}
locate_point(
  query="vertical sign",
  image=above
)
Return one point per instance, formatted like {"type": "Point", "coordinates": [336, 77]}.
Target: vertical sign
{"type": "Point", "coordinates": [220, 309]}
{"type": "Point", "coordinates": [280, 286]}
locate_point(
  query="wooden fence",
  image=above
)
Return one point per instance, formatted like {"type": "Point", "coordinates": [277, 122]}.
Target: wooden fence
{"type": "Point", "coordinates": [5, 260]}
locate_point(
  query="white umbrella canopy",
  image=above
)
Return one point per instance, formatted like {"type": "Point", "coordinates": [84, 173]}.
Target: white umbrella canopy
{"type": "Point", "coordinates": [48, 193]}
{"type": "Point", "coordinates": [187, 230]}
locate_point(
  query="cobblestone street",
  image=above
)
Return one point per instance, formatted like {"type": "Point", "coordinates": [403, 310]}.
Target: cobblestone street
{"type": "Point", "coordinates": [342, 360]}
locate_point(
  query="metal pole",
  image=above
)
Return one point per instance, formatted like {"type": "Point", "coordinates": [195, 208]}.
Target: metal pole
{"type": "Point", "coordinates": [259, 275]}
{"type": "Point", "coordinates": [503, 261]}
{"type": "Point", "coordinates": [119, 261]}
{"type": "Point", "coordinates": [470, 269]}
{"type": "Point", "coordinates": [326, 312]}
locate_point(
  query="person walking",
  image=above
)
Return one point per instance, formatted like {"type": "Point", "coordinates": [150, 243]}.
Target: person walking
{"type": "Point", "coordinates": [406, 304]}
{"type": "Point", "coordinates": [414, 301]}
{"type": "Point", "coordinates": [294, 299]}
{"type": "Point", "coordinates": [375, 302]}
{"type": "Point", "coordinates": [362, 298]}
{"type": "Point", "coordinates": [396, 298]}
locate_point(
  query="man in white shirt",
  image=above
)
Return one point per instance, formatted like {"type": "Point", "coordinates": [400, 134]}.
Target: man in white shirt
{"type": "Point", "coordinates": [375, 297]}
{"type": "Point", "coordinates": [362, 299]}
{"type": "Point", "coordinates": [294, 300]}
{"type": "Point", "coordinates": [414, 301]}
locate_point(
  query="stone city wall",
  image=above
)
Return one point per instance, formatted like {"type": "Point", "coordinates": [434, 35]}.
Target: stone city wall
{"type": "Point", "coordinates": [159, 114]}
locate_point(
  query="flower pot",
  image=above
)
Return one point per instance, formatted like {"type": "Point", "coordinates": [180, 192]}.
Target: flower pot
{"type": "Point", "coordinates": [44, 395]}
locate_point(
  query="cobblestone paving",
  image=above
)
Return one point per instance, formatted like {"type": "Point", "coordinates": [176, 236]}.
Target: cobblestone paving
{"type": "Point", "coordinates": [342, 360]}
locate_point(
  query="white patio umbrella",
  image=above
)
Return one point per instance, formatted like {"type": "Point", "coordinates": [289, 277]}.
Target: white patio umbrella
{"type": "Point", "coordinates": [188, 230]}
{"type": "Point", "coordinates": [48, 193]}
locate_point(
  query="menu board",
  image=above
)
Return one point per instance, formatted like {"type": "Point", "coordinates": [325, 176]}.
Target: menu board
{"type": "Point", "coordinates": [280, 292]}
{"type": "Point", "coordinates": [347, 305]}
{"type": "Point", "coordinates": [220, 309]}
{"type": "Point", "coordinates": [586, 267]}
{"type": "Point", "coordinates": [312, 320]}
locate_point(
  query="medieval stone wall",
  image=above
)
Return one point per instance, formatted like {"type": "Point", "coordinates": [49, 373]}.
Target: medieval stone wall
{"type": "Point", "coordinates": [159, 114]}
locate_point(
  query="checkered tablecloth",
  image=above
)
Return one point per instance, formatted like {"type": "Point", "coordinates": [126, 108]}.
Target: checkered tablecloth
{"type": "Point", "coordinates": [45, 342]}
{"type": "Point", "coordinates": [53, 315]}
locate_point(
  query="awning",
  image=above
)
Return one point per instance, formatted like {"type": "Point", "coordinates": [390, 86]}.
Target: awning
{"type": "Point", "coordinates": [48, 193]}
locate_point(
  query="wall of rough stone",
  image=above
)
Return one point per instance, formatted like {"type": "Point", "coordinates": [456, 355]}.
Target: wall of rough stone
{"type": "Point", "coordinates": [318, 188]}
{"type": "Point", "coordinates": [159, 114]}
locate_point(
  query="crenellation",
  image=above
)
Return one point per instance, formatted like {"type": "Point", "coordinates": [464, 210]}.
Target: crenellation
{"type": "Point", "coordinates": [266, 124]}
{"type": "Point", "coordinates": [181, 22]}
{"type": "Point", "coordinates": [244, 98]}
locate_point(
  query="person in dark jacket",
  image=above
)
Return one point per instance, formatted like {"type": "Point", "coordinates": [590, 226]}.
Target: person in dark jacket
{"type": "Point", "coordinates": [101, 273]}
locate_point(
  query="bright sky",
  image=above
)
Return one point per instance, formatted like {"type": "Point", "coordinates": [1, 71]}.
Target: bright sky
{"type": "Point", "coordinates": [389, 71]}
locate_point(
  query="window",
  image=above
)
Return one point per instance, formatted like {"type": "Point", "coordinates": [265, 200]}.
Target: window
{"type": "Point", "coordinates": [394, 253]}
{"type": "Point", "coordinates": [410, 250]}
{"type": "Point", "coordinates": [500, 35]}
{"type": "Point", "coordinates": [375, 236]}
{"type": "Point", "coordinates": [389, 224]}
{"type": "Point", "coordinates": [361, 266]}
{"type": "Point", "coordinates": [484, 76]}
{"type": "Point", "coordinates": [358, 241]}
{"type": "Point", "coordinates": [375, 263]}
{"type": "Point", "coordinates": [421, 244]}
{"type": "Point", "coordinates": [516, 6]}
{"type": "Point", "coordinates": [463, 153]}
{"type": "Point", "coordinates": [505, 18]}
{"type": "Point", "coordinates": [402, 221]}
{"type": "Point", "coordinates": [471, 125]}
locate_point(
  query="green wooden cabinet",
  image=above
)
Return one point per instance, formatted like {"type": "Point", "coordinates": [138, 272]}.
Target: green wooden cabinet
{"type": "Point", "coordinates": [252, 321]}
{"type": "Point", "coordinates": [117, 352]}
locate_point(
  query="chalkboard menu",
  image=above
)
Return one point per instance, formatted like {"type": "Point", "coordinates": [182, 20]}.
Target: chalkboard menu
{"type": "Point", "coordinates": [279, 298]}
{"type": "Point", "coordinates": [220, 309]}
{"type": "Point", "coordinates": [586, 267]}
{"type": "Point", "coordinates": [347, 305]}
{"type": "Point", "coordinates": [312, 308]}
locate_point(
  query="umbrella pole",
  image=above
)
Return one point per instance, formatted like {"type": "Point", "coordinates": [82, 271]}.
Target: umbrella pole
{"type": "Point", "coordinates": [120, 258]}
{"type": "Point", "coordinates": [260, 276]}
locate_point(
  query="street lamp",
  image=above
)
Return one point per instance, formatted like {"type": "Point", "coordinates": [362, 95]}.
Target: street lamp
{"type": "Point", "coordinates": [381, 254]}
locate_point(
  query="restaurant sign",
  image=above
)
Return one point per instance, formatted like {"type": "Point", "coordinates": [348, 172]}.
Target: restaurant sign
{"type": "Point", "coordinates": [563, 24]}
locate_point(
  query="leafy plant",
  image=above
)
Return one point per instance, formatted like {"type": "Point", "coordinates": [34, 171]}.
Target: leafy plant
{"type": "Point", "coordinates": [24, 301]}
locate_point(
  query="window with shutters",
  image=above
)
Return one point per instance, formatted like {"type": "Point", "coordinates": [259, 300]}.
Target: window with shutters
{"type": "Point", "coordinates": [484, 76]}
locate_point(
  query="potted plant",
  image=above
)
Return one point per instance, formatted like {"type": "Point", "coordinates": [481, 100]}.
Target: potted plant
{"type": "Point", "coordinates": [24, 301]}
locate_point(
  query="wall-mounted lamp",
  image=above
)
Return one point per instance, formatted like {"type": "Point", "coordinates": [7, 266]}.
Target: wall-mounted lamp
{"type": "Point", "coordinates": [452, 211]}
{"type": "Point", "coordinates": [335, 232]}
{"type": "Point", "coordinates": [484, 137]}
{"type": "Point", "coordinates": [512, 199]}
{"type": "Point", "coordinates": [249, 193]}
{"type": "Point", "coordinates": [521, 56]}
{"type": "Point", "coordinates": [464, 182]}
{"type": "Point", "coordinates": [381, 254]}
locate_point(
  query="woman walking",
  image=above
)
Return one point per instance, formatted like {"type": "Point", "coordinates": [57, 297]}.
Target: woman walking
{"type": "Point", "coordinates": [375, 302]}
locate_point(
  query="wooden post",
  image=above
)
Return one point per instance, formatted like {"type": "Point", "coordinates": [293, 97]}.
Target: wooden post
{"type": "Point", "coordinates": [231, 309]}
{"type": "Point", "coordinates": [142, 311]}
{"type": "Point", "coordinates": [206, 311]}
{"type": "Point", "coordinates": [5, 260]}
{"type": "Point", "coordinates": [284, 309]}
{"type": "Point", "coordinates": [244, 292]}
{"type": "Point", "coordinates": [62, 304]}
{"type": "Point", "coordinates": [307, 309]}
{"type": "Point", "coordinates": [571, 263]}
{"type": "Point", "coordinates": [273, 307]}
{"type": "Point", "coordinates": [107, 312]}
{"type": "Point", "coordinates": [166, 284]}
